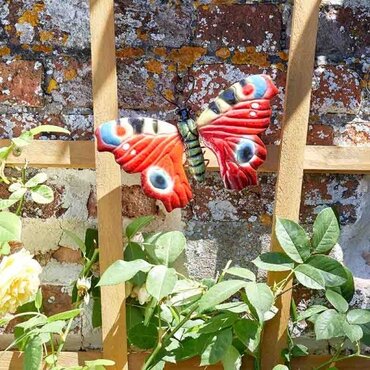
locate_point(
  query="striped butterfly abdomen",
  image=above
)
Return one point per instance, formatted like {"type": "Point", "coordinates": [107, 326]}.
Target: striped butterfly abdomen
{"type": "Point", "coordinates": [193, 150]}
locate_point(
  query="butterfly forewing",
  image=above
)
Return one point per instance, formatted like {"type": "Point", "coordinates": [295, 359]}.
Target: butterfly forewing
{"type": "Point", "coordinates": [230, 127]}
{"type": "Point", "coordinates": [153, 148]}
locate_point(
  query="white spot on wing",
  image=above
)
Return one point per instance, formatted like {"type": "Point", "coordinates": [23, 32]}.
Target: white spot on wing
{"type": "Point", "coordinates": [126, 146]}
{"type": "Point", "coordinates": [255, 105]}
{"type": "Point", "coordinates": [253, 114]}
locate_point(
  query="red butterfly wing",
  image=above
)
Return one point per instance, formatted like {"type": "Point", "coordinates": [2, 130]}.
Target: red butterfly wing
{"type": "Point", "coordinates": [230, 127]}
{"type": "Point", "coordinates": [153, 148]}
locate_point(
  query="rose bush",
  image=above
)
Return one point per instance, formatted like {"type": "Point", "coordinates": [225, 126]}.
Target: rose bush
{"type": "Point", "coordinates": [19, 280]}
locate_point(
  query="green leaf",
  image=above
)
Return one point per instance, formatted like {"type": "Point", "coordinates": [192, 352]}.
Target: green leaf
{"type": "Point", "coordinates": [38, 299]}
{"type": "Point", "coordinates": [260, 297]}
{"type": "Point", "coordinates": [6, 203]}
{"type": "Point", "coordinates": [353, 332]}
{"type": "Point", "coordinates": [139, 223]}
{"type": "Point", "coordinates": [313, 310]}
{"type": "Point", "coordinates": [160, 281]}
{"type": "Point", "coordinates": [48, 128]}
{"type": "Point", "coordinates": [358, 316]}
{"type": "Point", "coordinates": [143, 336]}
{"type": "Point", "coordinates": [241, 272]}
{"type": "Point", "coordinates": [217, 323]}
{"type": "Point", "coordinates": [220, 293]}
{"type": "Point", "coordinates": [66, 315]}
{"type": "Point", "coordinates": [299, 350]}
{"type": "Point", "coordinates": [10, 227]}
{"type": "Point", "coordinates": [91, 241]}
{"type": "Point", "coordinates": [216, 347]}
{"type": "Point", "coordinates": [23, 140]}
{"type": "Point", "coordinates": [52, 327]}
{"type": "Point", "coordinates": [347, 290]}
{"type": "Point", "coordinates": [78, 242]}
{"type": "Point", "coordinates": [96, 315]}
{"type": "Point", "coordinates": [235, 307]}
{"type": "Point", "coordinates": [42, 194]}
{"type": "Point", "coordinates": [33, 354]}
{"type": "Point", "coordinates": [232, 359]}
{"type": "Point", "coordinates": [100, 362]}
{"type": "Point", "coordinates": [337, 301]}
{"type": "Point", "coordinates": [329, 325]}
{"type": "Point", "coordinates": [134, 316]}
{"type": "Point", "coordinates": [134, 251]}
{"type": "Point", "coordinates": [293, 239]}
{"type": "Point", "coordinates": [309, 277]}
{"type": "Point", "coordinates": [249, 333]}
{"type": "Point", "coordinates": [326, 231]}
{"type": "Point", "coordinates": [18, 194]}
{"type": "Point", "coordinates": [122, 271]}
{"type": "Point", "coordinates": [167, 247]}
{"type": "Point", "coordinates": [190, 347]}
{"type": "Point", "coordinates": [274, 261]}
{"type": "Point", "coordinates": [331, 270]}
{"type": "Point", "coordinates": [38, 179]}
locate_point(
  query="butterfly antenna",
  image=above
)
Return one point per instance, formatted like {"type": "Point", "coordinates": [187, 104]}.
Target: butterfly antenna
{"type": "Point", "coordinates": [181, 91]}
{"type": "Point", "coordinates": [161, 93]}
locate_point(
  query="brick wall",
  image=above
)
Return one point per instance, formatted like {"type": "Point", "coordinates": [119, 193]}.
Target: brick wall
{"type": "Point", "coordinates": [45, 77]}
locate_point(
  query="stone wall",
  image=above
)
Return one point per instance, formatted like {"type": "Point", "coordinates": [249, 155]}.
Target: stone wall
{"type": "Point", "coordinates": [45, 77]}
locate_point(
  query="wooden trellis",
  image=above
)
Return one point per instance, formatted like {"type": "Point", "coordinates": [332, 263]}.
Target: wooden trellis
{"type": "Point", "coordinates": [295, 158]}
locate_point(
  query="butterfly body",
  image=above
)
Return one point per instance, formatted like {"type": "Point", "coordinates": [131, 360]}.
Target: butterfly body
{"type": "Point", "coordinates": [190, 136]}
{"type": "Point", "coordinates": [229, 127]}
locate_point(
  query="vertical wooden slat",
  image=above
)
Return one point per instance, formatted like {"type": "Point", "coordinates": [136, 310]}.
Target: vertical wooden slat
{"type": "Point", "coordinates": [290, 171]}
{"type": "Point", "coordinates": [108, 179]}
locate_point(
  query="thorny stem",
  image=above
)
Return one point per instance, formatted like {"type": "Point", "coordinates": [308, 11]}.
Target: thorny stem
{"type": "Point", "coordinates": [164, 340]}
{"type": "Point", "coordinates": [23, 178]}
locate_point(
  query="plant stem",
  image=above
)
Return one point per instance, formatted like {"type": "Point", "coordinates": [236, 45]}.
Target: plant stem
{"type": "Point", "coordinates": [23, 178]}
{"type": "Point", "coordinates": [164, 340]}
{"type": "Point", "coordinates": [89, 265]}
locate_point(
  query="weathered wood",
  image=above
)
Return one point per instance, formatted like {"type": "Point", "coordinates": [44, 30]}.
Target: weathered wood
{"type": "Point", "coordinates": [292, 157]}
{"type": "Point", "coordinates": [81, 154]}
{"type": "Point", "coordinates": [108, 179]}
{"type": "Point", "coordinates": [14, 361]}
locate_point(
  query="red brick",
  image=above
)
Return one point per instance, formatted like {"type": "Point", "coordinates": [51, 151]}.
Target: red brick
{"type": "Point", "coordinates": [69, 82]}
{"type": "Point", "coordinates": [240, 25]}
{"type": "Point", "coordinates": [339, 191]}
{"type": "Point", "coordinates": [320, 135]}
{"type": "Point", "coordinates": [336, 90]}
{"type": "Point", "coordinates": [67, 255]}
{"type": "Point", "coordinates": [134, 203]}
{"type": "Point", "coordinates": [55, 299]}
{"type": "Point", "coordinates": [343, 31]}
{"type": "Point", "coordinates": [21, 83]}
{"type": "Point", "coordinates": [356, 133]}
{"type": "Point", "coordinates": [154, 23]}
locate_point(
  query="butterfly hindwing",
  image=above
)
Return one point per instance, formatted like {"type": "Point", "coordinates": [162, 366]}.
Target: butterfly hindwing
{"type": "Point", "coordinates": [230, 127]}
{"type": "Point", "coordinates": [152, 148]}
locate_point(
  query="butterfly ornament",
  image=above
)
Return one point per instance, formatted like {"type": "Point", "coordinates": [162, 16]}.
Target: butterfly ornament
{"type": "Point", "coordinates": [229, 126]}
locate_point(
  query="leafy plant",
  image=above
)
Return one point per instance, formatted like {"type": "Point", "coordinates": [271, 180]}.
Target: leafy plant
{"type": "Point", "coordinates": [218, 320]}
{"type": "Point", "coordinates": [306, 259]}
{"type": "Point", "coordinates": [42, 338]}
{"type": "Point", "coordinates": [221, 320]}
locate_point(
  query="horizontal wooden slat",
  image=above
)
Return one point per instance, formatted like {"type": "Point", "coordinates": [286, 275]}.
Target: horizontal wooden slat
{"type": "Point", "coordinates": [56, 153]}
{"type": "Point", "coordinates": [13, 361]}
{"type": "Point", "coordinates": [81, 154]}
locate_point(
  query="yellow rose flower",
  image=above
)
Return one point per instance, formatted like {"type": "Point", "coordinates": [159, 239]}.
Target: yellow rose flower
{"type": "Point", "coordinates": [19, 280]}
